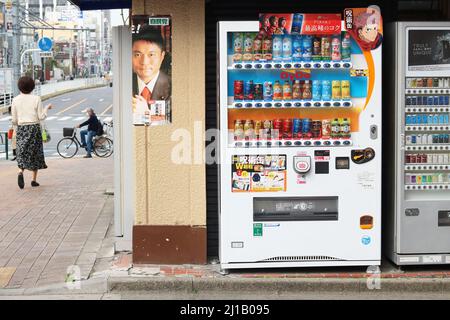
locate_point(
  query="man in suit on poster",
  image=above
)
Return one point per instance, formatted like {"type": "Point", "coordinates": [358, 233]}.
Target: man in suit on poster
{"type": "Point", "coordinates": [150, 83]}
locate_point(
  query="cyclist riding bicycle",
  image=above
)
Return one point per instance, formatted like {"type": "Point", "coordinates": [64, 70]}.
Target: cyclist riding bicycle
{"type": "Point", "coordinates": [92, 130]}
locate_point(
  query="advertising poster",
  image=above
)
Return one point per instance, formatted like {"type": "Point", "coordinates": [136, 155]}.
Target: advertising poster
{"type": "Point", "coordinates": [428, 50]}
{"type": "Point", "coordinates": [258, 173]}
{"type": "Point", "coordinates": [275, 23]}
{"type": "Point", "coordinates": [365, 25]}
{"type": "Point", "coordinates": [152, 70]}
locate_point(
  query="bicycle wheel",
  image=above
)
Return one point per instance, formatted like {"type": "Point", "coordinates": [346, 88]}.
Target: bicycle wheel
{"type": "Point", "coordinates": [103, 147]}
{"type": "Point", "coordinates": [67, 148]}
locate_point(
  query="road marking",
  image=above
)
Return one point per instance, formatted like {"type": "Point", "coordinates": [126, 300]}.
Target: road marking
{"type": "Point", "coordinates": [50, 118]}
{"type": "Point", "coordinates": [106, 110]}
{"type": "Point", "coordinates": [107, 119]}
{"type": "Point", "coordinates": [66, 99]}
{"type": "Point", "coordinates": [72, 106]}
{"type": "Point", "coordinates": [6, 118]}
{"type": "Point", "coordinates": [101, 100]}
{"type": "Point", "coordinates": [79, 118]}
{"type": "Point", "coordinates": [64, 118]}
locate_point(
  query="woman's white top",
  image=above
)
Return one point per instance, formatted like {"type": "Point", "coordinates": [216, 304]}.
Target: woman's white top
{"type": "Point", "coordinates": [27, 109]}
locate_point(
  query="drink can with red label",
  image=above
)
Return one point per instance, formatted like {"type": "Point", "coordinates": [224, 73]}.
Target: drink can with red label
{"type": "Point", "coordinates": [287, 129]}
{"type": "Point", "coordinates": [316, 129]}
{"type": "Point", "coordinates": [238, 89]}
{"type": "Point", "coordinates": [277, 124]}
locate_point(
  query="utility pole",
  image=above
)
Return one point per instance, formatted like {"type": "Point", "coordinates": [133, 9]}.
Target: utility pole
{"type": "Point", "coordinates": [16, 45]}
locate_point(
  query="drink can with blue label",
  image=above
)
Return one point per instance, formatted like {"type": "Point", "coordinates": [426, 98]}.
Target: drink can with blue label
{"type": "Point", "coordinates": [326, 90]}
{"type": "Point", "coordinates": [425, 100]}
{"type": "Point", "coordinates": [297, 128]}
{"type": "Point", "coordinates": [306, 126]}
{"type": "Point", "coordinates": [446, 100]}
{"type": "Point", "coordinates": [413, 139]}
{"type": "Point", "coordinates": [441, 100]}
{"type": "Point", "coordinates": [436, 100]}
{"type": "Point", "coordinates": [419, 100]}
{"type": "Point", "coordinates": [414, 101]}
{"type": "Point", "coordinates": [268, 91]}
{"type": "Point", "coordinates": [430, 100]}
{"type": "Point", "coordinates": [316, 90]}
{"type": "Point", "coordinates": [408, 100]}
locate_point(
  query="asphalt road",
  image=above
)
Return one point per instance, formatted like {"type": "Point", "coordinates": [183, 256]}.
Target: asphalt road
{"type": "Point", "coordinates": [66, 113]}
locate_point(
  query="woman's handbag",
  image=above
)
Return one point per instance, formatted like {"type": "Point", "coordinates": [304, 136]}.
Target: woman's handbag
{"type": "Point", "coordinates": [10, 133]}
{"type": "Point", "coordinates": [45, 134]}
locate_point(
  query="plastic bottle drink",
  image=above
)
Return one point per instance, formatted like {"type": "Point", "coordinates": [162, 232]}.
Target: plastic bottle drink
{"type": "Point", "coordinates": [316, 49]}
{"type": "Point", "coordinates": [346, 47]}
{"type": "Point", "coordinates": [326, 90]}
{"type": "Point", "coordinates": [267, 48]}
{"type": "Point", "coordinates": [268, 91]}
{"type": "Point", "coordinates": [326, 48]}
{"type": "Point", "coordinates": [238, 39]}
{"type": "Point", "coordinates": [336, 48]}
{"type": "Point", "coordinates": [307, 90]}
{"type": "Point", "coordinates": [345, 128]}
{"type": "Point", "coordinates": [336, 90]}
{"type": "Point", "coordinates": [248, 47]}
{"type": "Point", "coordinates": [316, 90]}
{"type": "Point", "coordinates": [257, 48]}
{"type": "Point", "coordinates": [277, 44]}
{"type": "Point", "coordinates": [297, 48]}
{"type": "Point", "coordinates": [277, 91]}
{"type": "Point", "coordinates": [296, 90]}
{"type": "Point", "coordinates": [287, 90]}
{"type": "Point", "coordinates": [345, 89]}
{"type": "Point", "coordinates": [326, 128]}
{"type": "Point", "coordinates": [287, 47]}
{"type": "Point", "coordinates": [335, 128]}
{"type": "Point", "coordinates": [307, 48]}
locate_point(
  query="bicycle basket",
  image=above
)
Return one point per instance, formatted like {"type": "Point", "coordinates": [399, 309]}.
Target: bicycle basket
{"type": "Point", "coordinates": [68, 132]}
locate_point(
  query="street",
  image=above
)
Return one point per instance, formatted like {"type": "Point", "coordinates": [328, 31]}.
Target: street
{"type": "Point", "coordinates": [66, 113]}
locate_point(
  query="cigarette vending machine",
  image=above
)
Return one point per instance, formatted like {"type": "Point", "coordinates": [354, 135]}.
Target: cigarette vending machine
{"type": "Point", "coordinates": [418, 215]}
{"type": "Point", "coordinates": [300, 147]}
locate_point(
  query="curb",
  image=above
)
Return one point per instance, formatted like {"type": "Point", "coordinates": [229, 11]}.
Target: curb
{"type": "Point", "coordinates": [53, 95]}
{"type": "Point", "coordinates": [227, 285]}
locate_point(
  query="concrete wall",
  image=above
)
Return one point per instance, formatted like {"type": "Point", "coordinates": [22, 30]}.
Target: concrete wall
{"type": "Point", "coordinates": [169, 194]}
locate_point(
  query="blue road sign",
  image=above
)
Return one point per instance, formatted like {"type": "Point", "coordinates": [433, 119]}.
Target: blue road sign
{"type": "Point", "coordinates": [45, 44]}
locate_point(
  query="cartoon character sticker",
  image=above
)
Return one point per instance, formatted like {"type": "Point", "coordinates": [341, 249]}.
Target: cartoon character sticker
{"type": "Point", "coordinates": [365, 26]}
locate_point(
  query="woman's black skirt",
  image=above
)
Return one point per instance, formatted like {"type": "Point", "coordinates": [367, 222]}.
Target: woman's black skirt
{"type": "Point", "coordinates": [30, 150]}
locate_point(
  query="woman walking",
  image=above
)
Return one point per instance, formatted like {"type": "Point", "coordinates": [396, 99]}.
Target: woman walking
{"type": "Point", "coordinates": [27, 113]}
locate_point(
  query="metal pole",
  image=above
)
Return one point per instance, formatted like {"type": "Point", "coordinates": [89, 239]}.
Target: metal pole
{"type": "Point", "coordinates": [16, 45]}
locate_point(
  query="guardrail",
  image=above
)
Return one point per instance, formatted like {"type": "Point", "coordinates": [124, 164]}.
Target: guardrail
{"type": "Point", "coordinates": [4, 142]}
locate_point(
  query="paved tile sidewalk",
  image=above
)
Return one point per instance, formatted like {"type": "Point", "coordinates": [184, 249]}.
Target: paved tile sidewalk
{"type": "Point", "coordinates": [63, 222]}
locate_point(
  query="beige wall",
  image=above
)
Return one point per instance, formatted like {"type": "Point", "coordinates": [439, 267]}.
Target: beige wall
{"type": "Point", "coordinates": [168, 193]}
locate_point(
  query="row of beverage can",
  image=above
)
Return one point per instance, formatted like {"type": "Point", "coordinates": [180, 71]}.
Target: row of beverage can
{"type": "Point", "coordinates": [427, 158]}
{"type": "Point", "coordinates": [426, 138]}
{"type": "Point", "coordinates": [428, 119]}
{"type": "Point", "coordinates": [442, 100]}
{"type": "Point", "coordinates": [426, 179]}
{"type": "Point", "coordinates": [428, 82]}
{"type": "Point", "coordinates": [297, 128]}
{"type": "Point", "coordinates": [297, 90]}
{"type": "Point", "coordinates": [252, 46]}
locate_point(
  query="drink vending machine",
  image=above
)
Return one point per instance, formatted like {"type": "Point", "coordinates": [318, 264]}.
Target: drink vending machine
{"type": "Point", "coordinates": [418, 215]}
{"type": "Point", "coordinates": [300, 147]}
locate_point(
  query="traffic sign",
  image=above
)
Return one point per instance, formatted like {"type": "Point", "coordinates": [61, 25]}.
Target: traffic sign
{"type": "Point", "coordinates": [45, 44]}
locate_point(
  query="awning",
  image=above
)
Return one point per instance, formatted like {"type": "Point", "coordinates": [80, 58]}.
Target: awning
{"type": "Point", "coordinates": [101, 4]}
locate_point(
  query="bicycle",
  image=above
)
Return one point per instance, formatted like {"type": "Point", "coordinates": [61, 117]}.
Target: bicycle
{"type": "Point", "coordinates": [68, 146]}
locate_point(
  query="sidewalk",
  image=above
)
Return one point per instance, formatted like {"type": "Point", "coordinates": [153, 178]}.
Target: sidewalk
{"type": "Point", "coordinates": [63, 222]}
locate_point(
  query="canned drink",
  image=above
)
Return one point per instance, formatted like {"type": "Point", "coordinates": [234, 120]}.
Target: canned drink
{"type": "Point", "coordinates": [425, 100]}
{"type": "Point", "coordinates": [316, 48]}
{"type": "Point", "coordinates": [435, 159]}
{"type": "Point", "coordinates": [424, 118]}
{"type": "Point", "coordinates": [436, 100]}
{"type": "Point", "coordinates": [435, 82]}
{"type": "Point", "coordinates": [441, 100]}
{"type": "Point", "coordinates": [258, 91]}
{"type": "Point", "coordinates": [446, 82]}
{"type": "Point", "coordinates": [335, 128]}
{"type": "Point", "coordinates": [441, 119]}
{"type": "Point", "coordinates": [268, 91]}
{"type": "Point", "coordinates": [267, 48]}
{"type": "Point", "coordinates": [277, 128]}
{"type": "Point", "coordinates": [423, 158]}
{"type": "Point", "coordinates": [408, 83]}
{"type": "Point", "coordinates": [238, 89]}
{"type": "Point", "coordinates": [336, 90]}
{"type": "Point", "coordinates": [413, 158]}
{"type": "Point", "coordinates": [446, 138]}
{"type": "Point", "coordinates": [249, 130]}
{"type": "Point", "coordinates": [419, 82]}
{"type": "Point", "coordinates": [408, 119]}
{"type": "Point", "coordinates": [424, 179]}
{"type": "Point", "coordinates": [407, 158]}
{"type": "Point", "coordinates": [419, 119]}
{"type": "Point", "coordinates": [435, 138]}
{"type": "Point", "coordinates": [345, 128]}
{"type": "Point", "coordinates": [440, 159]}
{"type": "Point", "coordinates": [316, 90]}
{"type": "Point", "coordinates": [249, 90]}
{"type": "Point", "coordinates": [419, 179]}
{"type": "Point", "coordinates": [441, 138]}
{"type": "Point", "coordinates": [430, 100]}
{"type": "Point", "coordinates": [345, 89]}
{"type": "Point", "coordinates": [413, 119]}
{"type": "Point", "coordinates": [306, 128]}
{"type": "Point", "coordinates": [238, 44]}
{"type": "Point", "coordinates": [436, 119]}
{"type": "Point", "coordinates": [267, 128]}
{"type": "Point", "coordinates": [326, 90]}
{"type": "Point", "coordinates": [407, 178]}
{"type": "Point", "coordinates": [430, 119]}
{"type": "Point", "coordinates": [296, 128]}
{"type": "Point", "coordinates": [326, 48]}
{"type": "Point", "coordinates": [429, 82]}
{"type": "Point", "coordinates": [336, 48]}
{"type": "Point", "coordinates": [413, 100]}
{"type": "Point", "coordinates": [287, 129]}
{"type": "Point", "coordinates": [446, 158]}
{"type": "Point", "coordinates": [446, 100]}
{"type": "Point", "coordinates": [316, 129]}
{"type": "Point", "coordinates": [419, 100]}
{"type": "Point", "coordinates": [238, 130]}
{"type": "Point", "coordinates": [413, 139]}
{"type": "Point", "coordinates": [413, 179]}
{"type": "Point", "coordinates": [440, 178]}
{"type": "Point", "coordinates": [413, 83]}
{"type": "Point", "coordinates": [441, 82]}
{"type": "Point", "coordinates": [326, 128]}
{"type": "Point", "coordinates": [248, 47]}
{"type": "Point", "coordinates": [429, 158]}
{"type": "Point", "coordinates": [408, 101]}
